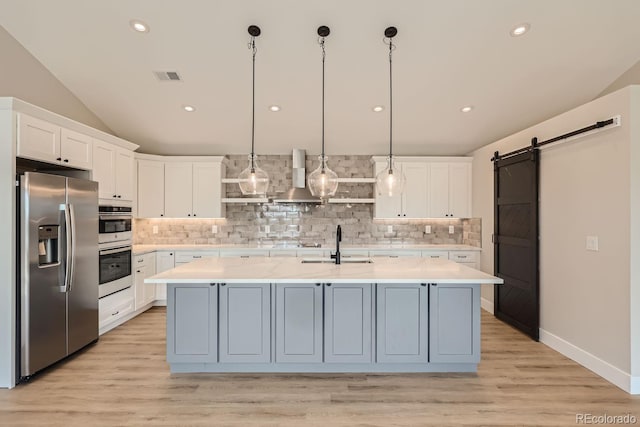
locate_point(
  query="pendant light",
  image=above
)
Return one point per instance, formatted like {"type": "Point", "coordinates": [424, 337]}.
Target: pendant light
{"type": "Point", "coordinates": [253, 180]}
{"type": "Point", "coordinates": [323, 182]}
{"type": "Point", "coordinates": [390, 181]}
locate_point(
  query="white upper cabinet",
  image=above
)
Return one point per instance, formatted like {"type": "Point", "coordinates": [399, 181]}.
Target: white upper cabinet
{"type": "Point", "coordinates": [434, 188]}
{"type": "Point", "coordinates": [450, 190]}
{"type": "Point", "coordinates": [150, 189]}
{"type": "Point", "coordinates": [47, 142]}
{"type": "Point", "coordinates": [113, 169]}
{"type": "Point", "coordinates": [180, 189]}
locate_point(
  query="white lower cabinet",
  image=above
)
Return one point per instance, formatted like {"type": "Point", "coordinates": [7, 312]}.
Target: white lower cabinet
{"type": "Point", "coordinates": [454, 323]}
{"type": "Point", "coordinates": [347, 322]}
{"type": "Point", "coordinates": [164, 261]}
{"type": "Point", "coordinates": [113, 308]}
{"type": "Point", "coordinates": [245, 323]}
{"type": "Point", "coordinates": [298, 322]}
{"type": "Point", "coordinates": [402, 323]}
{"type": "Point", "coordinates": [144, 266]}
{"type": "Point", "coordinates": [192, 323]}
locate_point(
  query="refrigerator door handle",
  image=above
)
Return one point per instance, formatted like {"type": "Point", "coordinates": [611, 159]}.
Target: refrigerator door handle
{"type": "Point", "coordinates": [72, 215]}
{"type": "Point", "coordinates": [66, 211]}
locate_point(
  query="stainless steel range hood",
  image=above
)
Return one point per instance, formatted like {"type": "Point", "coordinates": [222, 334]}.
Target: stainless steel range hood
{"type": "Point", "coordinates": [299, 193]}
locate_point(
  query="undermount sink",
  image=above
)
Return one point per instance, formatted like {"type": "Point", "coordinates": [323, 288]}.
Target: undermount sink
{"type": "Point", "coordinates": [344, 260]}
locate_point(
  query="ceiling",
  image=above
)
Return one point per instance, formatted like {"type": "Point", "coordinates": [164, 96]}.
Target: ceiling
{"type": "Point", "coordinates": [449, 54]}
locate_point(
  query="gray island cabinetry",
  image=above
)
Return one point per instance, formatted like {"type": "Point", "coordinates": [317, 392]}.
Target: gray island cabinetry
{"type": "Point", "coordinates": [280, 315]}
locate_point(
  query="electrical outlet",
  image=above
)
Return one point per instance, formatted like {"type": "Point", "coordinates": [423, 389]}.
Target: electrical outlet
{"type": "Point", "coordinates": [592, 243]}
{"type": "Point", "coordinates": [427, 229]}
{"type": "Point", "coordinates": [267, 229]}
{"type": "Point", "coordinates": [155, 229]}
{"type": "Point", "coordinates": [214, 229]}
{"type": "Point", "coordinates": [451, 230]}
{"type": "Point", "coordinates": [389, 228]}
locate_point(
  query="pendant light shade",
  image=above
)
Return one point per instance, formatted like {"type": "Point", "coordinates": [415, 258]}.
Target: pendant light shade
{"type": "Point", "coordinates": [323, 182]}
{"type": "Point", "coordinates": [390, 181]}
{"type": "Point", "coordinates": [253, 181]}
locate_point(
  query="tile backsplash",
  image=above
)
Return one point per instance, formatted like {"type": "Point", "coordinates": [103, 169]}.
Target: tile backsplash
{"type": "Point", "coordinates": [301, 223]}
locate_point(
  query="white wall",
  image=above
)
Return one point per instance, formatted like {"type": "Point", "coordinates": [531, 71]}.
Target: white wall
{"type": "Point", "coordinates": [23, 76]}
{"type": "Point", "coordinates": [7, 248]}
{"type": "Point", "coordinates": [634, 255]}
{"type": "Point", "coordinates": [585, 188]}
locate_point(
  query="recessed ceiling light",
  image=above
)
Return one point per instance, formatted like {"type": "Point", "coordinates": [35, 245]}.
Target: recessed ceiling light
{"type": "Point", "coordinates": [378, 108]}
{"type": "Point", "coordinates": [520, 29]}
{"type": "Point", "coordinates": [274, 108]}
{"type": "Point", "coordinates": [189, 108]}
{"type": "Point", "coordinates": [139, 26]}
{"type": "Point", "coordinates": [466, 108]}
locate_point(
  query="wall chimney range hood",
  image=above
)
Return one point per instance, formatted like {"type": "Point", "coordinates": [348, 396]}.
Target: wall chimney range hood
{"type": "Point", "coordinates": [299, 193]}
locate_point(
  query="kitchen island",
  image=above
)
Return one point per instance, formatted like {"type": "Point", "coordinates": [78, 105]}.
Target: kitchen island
{"type": "Point", "coordinates": [288, 315]}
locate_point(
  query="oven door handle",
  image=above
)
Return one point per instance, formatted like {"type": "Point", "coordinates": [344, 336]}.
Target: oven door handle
{"type": "Point", "coordinates": [115, 250]}
{"type": "Point", "coordinates": [104, 217]}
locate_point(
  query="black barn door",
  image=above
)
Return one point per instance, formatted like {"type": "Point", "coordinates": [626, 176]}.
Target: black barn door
{"type": "Point", "coordinates": [516, 241]}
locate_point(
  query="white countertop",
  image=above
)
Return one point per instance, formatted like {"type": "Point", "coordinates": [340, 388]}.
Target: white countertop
{"type": "Point", "coordinates": [292, 270]}
{"type": "Point", "coordinates": [142, 249]}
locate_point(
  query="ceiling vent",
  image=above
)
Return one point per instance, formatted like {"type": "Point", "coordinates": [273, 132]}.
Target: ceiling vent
{"type": "Point", "coordinates": [168, 76]}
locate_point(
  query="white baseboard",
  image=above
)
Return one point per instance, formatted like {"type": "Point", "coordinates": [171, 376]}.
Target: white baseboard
{"type": "Point", "coordinates": [607, 371]}
{"type": "Point", "coordinates": [486, 305]}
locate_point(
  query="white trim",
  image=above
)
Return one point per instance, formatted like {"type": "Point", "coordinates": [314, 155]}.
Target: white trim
{"type": "Point", "coordinates": [607, 371]}
{"type": "Point", "coordinates": [486, 305]}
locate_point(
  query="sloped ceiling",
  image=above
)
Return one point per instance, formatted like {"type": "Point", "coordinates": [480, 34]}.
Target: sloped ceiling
{"type": "Point", "coordinates": [449, 54]}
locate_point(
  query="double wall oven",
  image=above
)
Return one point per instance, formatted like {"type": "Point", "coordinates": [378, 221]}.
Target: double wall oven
{"type": "Point", "coordinates": [115, 240]}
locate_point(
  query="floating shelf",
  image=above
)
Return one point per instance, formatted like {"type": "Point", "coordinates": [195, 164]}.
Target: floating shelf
{"type": "Point", "coordinates": [345, 200]}
{"type": "Point", "coordinates": [246, 200]}
{"type": "Point", "coordinates": [356, 180]}
{"type": "Point", "coordinates": [230, 180]}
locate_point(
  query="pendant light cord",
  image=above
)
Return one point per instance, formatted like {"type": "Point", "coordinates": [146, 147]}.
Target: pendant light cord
{"type": "Point", "coordinates": [323, 56]}
{"type": "Point", "coordinates": [391, 48]}
{"type": "Point", "coordinates": [252, 46]}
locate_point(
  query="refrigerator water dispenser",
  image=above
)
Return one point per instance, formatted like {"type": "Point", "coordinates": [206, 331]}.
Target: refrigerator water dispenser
{"type": "Point", "coordinates": [48, 247]}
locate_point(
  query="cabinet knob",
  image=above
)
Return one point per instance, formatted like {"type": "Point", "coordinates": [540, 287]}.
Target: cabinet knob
{"type": "Point", "coordinates": [398, 214]}
{"type": "Point", "coordinates": [423, 284]}
{"type": "Point", "coordinates": [212, 284]}
{"type": "Point", "coordinates": [66, 160]}
{"type": "Point", "coordinates": [59, 158]}
{"type": "Point", "coordinates": [404, 215]}
{"type": "Point", "coordinates": [161, 214]}
{"type": "Point", "coordinates": [114, 196]}
{"type": "Point", "coordinates": [194, 214]}
{"type": "Point", "coordinates": [137, 271]}
{"type": "Point", "coordinates": [223, 284]}
{"type": "Point", "coordinates": [188, 214]}
{"type": "Point", "coordinates": [328, 284]}
{"type": "Point", "coordinates": [318, 284]}
{"type": "Point", "coordinates": [119, 196]}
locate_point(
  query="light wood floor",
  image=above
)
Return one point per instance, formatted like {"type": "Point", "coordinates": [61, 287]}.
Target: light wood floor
{"type": "Point", "coordinates": [124, 380]}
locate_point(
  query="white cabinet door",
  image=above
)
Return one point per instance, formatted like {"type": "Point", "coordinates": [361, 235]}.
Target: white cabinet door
{"type": "Point", "coordinates": [439, 190]}
{"type": "Point", "coordinates": [104, 165]}
{"type": "Point", "coordinates": [460, 190]}
{"type": "Point", "coordinates": [178, 185]}
{"type": "Point", "coordinates": [347, 323]}
{"type": "Point", "coordinates": [402, 323]}
{"type": "Point", "coordinates": [298, 322]}
{"type": "Point", "coordinates": [164, 261]}
{"type": "Point", "coordinates": [150, 189]}
{"type": "Point", "coordinates": [207, 190]}
{"type": "Point", "coordinates": [76, 149]}
{"type": "Point", "coordinates": [245, 323]}
{"type": "Point", "coordinates": [38, 140]}
{"type": "Point", "coordinates": [387, 206]}
{"type": "Point", "coordinates": [415, 200]}
{"type": "Point", "coordinates": [140, 273]}
{"type": "Point", "coordinates": [124, 175]}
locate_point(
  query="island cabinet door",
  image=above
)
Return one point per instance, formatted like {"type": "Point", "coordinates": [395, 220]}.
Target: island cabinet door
{"type": "Point", "coordinates": [347, 323]}
{"type": "Point", "coordinates": [402, 321]}
{"type": "Point", "coordinates": [454, 323]}
{"type": "Point", "coordinates": [298, 322]}
{"type": "Point", "coordinates": [192, 323]}
{"type": "Point", "coordinates": [245, 323]}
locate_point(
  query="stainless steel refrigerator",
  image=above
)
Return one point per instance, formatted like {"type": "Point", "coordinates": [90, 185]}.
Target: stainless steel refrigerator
{"type": "Point", "coordinates": [58, 275]}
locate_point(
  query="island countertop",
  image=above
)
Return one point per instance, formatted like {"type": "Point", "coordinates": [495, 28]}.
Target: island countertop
{"type": "Point", "coordinates": [293, 270]}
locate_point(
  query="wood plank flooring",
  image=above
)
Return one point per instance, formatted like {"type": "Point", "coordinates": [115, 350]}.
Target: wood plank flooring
{"type": "Point", "coordinates": [124, 380]}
